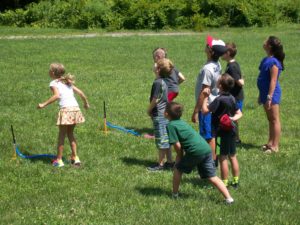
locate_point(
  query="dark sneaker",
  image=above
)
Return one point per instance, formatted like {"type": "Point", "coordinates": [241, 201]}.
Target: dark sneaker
{"type": "Point", "coordinates": [155, 168]}
{"type": "Point", "coordinates": [235, 185]}
{"type": "Point", "coordinates": [168, 165]}
{"type": "Point", "coordinates": [238, 141]}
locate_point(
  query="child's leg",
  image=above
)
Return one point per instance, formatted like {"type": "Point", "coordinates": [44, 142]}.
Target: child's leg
{"type": "Point", "coordinates": [61, 140]}
{"type": "Point", "coordinates": [274, 125]}
{"type": "Point", "coordinates": [72, 140]}
{"type": "Point", "coordinates": [161, 155]}
{"type": "Point", "coordinates": [234, 165]}
{"type": "Point", "coordinates": [169, 155]}
{"type": "Point", "coordinates": [212, 143]}
{"type": "Point", "coordinates": [224, 167]}
{"type": "Point", "coordinates": [176, 180]}
{"type": "Point", "coordinates": [216, 181]}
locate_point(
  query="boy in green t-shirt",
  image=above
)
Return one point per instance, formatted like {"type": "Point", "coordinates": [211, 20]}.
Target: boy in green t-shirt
{"type": "Point", "coordinates": [192, 151]}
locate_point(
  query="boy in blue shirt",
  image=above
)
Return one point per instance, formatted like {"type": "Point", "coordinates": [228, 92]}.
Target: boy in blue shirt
{"type": "Point", "coordinates": [192, 151]}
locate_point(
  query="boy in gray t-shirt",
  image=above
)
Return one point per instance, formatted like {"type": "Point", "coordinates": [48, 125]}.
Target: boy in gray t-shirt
{"type": "Point", "coordinates": [156, 110]}
{"type": "Point", "coordinates": [207, 83]}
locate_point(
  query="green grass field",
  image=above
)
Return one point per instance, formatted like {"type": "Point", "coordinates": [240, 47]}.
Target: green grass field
{"type": "Point", "coordinates": [113, 185]}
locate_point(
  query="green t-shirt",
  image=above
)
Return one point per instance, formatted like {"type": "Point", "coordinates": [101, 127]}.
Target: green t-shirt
{"type": "Point", "coordinates": [191, 142]}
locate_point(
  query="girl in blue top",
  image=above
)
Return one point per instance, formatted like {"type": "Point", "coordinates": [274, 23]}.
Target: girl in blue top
{"type": "Point", "coordinates": [269, 89]}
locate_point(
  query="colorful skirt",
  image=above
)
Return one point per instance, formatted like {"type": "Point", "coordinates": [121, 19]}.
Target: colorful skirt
{"type": "Point", "coordinates": [69, 116]}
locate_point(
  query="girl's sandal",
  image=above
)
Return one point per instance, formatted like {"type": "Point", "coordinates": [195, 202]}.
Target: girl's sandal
{"type": "Point", "coordinates": [265, 147]}
{"type": "Point", "coordinates": [271, 150]}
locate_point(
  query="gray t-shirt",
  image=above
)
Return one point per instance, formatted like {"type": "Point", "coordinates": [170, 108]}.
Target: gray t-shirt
{"type": "Point", "coordinates": [209, 75]}
{"type": "Point", "coordinates": [173, 81]}
{"type": "Point", "coordinates": [159, 91]}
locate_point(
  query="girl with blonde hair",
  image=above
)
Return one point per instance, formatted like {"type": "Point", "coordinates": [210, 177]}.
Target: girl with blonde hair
{"type": "Point", "coordinates": [63, 88]}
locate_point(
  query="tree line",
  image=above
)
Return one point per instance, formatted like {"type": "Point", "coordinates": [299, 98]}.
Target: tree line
{"type": "Point", "coordinates": [147, 14]}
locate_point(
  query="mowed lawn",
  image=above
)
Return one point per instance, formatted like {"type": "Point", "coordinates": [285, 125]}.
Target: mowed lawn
{"type": "Point", "coordinates": [113, 185]}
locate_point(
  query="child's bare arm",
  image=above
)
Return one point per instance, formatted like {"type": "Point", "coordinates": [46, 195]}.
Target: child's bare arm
{"type": "Point", "coordinates": [240, 82]}
{"type": "Point", "coordinates": [181, 78]}
{"type": "Point", "coordinates": [82, 96]}
{"type": "Point", "coordinates": [238, 114]}
{"type": "Point", "coordinates": [204, 92]}
{"type": "Point", "coordinates": [52, 99]}
{"type": "Point", "coordinates": [151, 107]}
{"type": "Point", "coordinates": [177, 147]}
{"type": "Point", "coordinates": [205, 108]}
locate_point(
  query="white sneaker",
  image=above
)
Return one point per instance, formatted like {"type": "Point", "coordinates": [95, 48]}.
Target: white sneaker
{"type": "Point", "coordinates": [76, 161]}
{"type": "Point", "coordinates": [229, 201]}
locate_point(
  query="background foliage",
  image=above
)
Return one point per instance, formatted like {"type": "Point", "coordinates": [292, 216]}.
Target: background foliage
{"type": "Point", "coordinates": [152, 14]}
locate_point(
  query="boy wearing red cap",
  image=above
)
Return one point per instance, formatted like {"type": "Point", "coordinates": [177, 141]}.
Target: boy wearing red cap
{"type": "Point", "coordinates": [207, 83]}
{"type": "Point", "coordinates": [222, 106]}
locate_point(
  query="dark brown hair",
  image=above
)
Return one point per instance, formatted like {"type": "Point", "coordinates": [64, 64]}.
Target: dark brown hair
{"type": "Point", "coordinates": [276, 49]}
{"type": "Point", "coordinates": [226, 82]}
{"type": "Point", "coordinates": [231, 48]}
{"type": "Point", "coordinates": [174, 110]}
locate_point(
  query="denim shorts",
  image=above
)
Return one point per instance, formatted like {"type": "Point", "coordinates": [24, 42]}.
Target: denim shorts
{"type": "Point", "coordinates": [205, 165]}
{"type": "Point", "coordinates": [160, 131]}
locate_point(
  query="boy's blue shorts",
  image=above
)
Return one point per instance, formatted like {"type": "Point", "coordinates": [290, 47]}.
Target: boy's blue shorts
{"type": "Point", "coordinates": [205, 126]}
{"type": "Point", "coordinates": [160, 131]}
{"type": "Point", "coordinates": [205, 165]}
{"type": "Point", "coordinates": [239, 104]}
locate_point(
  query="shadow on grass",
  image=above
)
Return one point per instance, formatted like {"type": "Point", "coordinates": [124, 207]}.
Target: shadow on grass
{"type": "Point", "coordinates": [46, 160]}
{"type": "Point", "coordinates": [156, 191]}
{"type": "Point", "coordinates": [248, 146]}
{"type": "Point", "coordinates": [135, 161]}
{"type": "Point", "coordinates": [196, 181]}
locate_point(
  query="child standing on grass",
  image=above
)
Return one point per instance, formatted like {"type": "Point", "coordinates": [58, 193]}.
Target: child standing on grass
{"type": "Point", "coordinates": [63, 88]}
{"type": "Point", "coordinates": [207, 82]}
{"type": "Point", "coordinates": [269, 88]}
{"type": "Point", "coordinates": [192, 151]}
{"type": "Point", "coordinates": [156, 109]}
{"type": "Point", "coordinates": [225, 104]}
{"type": "Point", "coordinates": [233, 69]}
{"type": "Point", "coordinates": [174, 79]}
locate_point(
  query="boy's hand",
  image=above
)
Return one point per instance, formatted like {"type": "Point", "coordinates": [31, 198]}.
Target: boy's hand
{"type": "Point", "coordinates": [206, 92]}
{"type": "Point", "coordinates": [195, 117]}
{"type": "Point", "coordinates": [40, 106]}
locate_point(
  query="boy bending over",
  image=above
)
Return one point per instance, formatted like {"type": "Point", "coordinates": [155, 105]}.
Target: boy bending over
{"type": "Point", "coordinates": [192, 151]}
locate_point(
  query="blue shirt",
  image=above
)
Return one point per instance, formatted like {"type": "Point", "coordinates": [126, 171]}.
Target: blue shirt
{"type": "Point", "coordinates": [264, 79]}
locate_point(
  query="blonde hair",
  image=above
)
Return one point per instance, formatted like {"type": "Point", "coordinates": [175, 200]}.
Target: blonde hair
{"type": "Point", "coordinates": [165, 67]}
{"type": "Point", "coordinates": [58, 70]}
